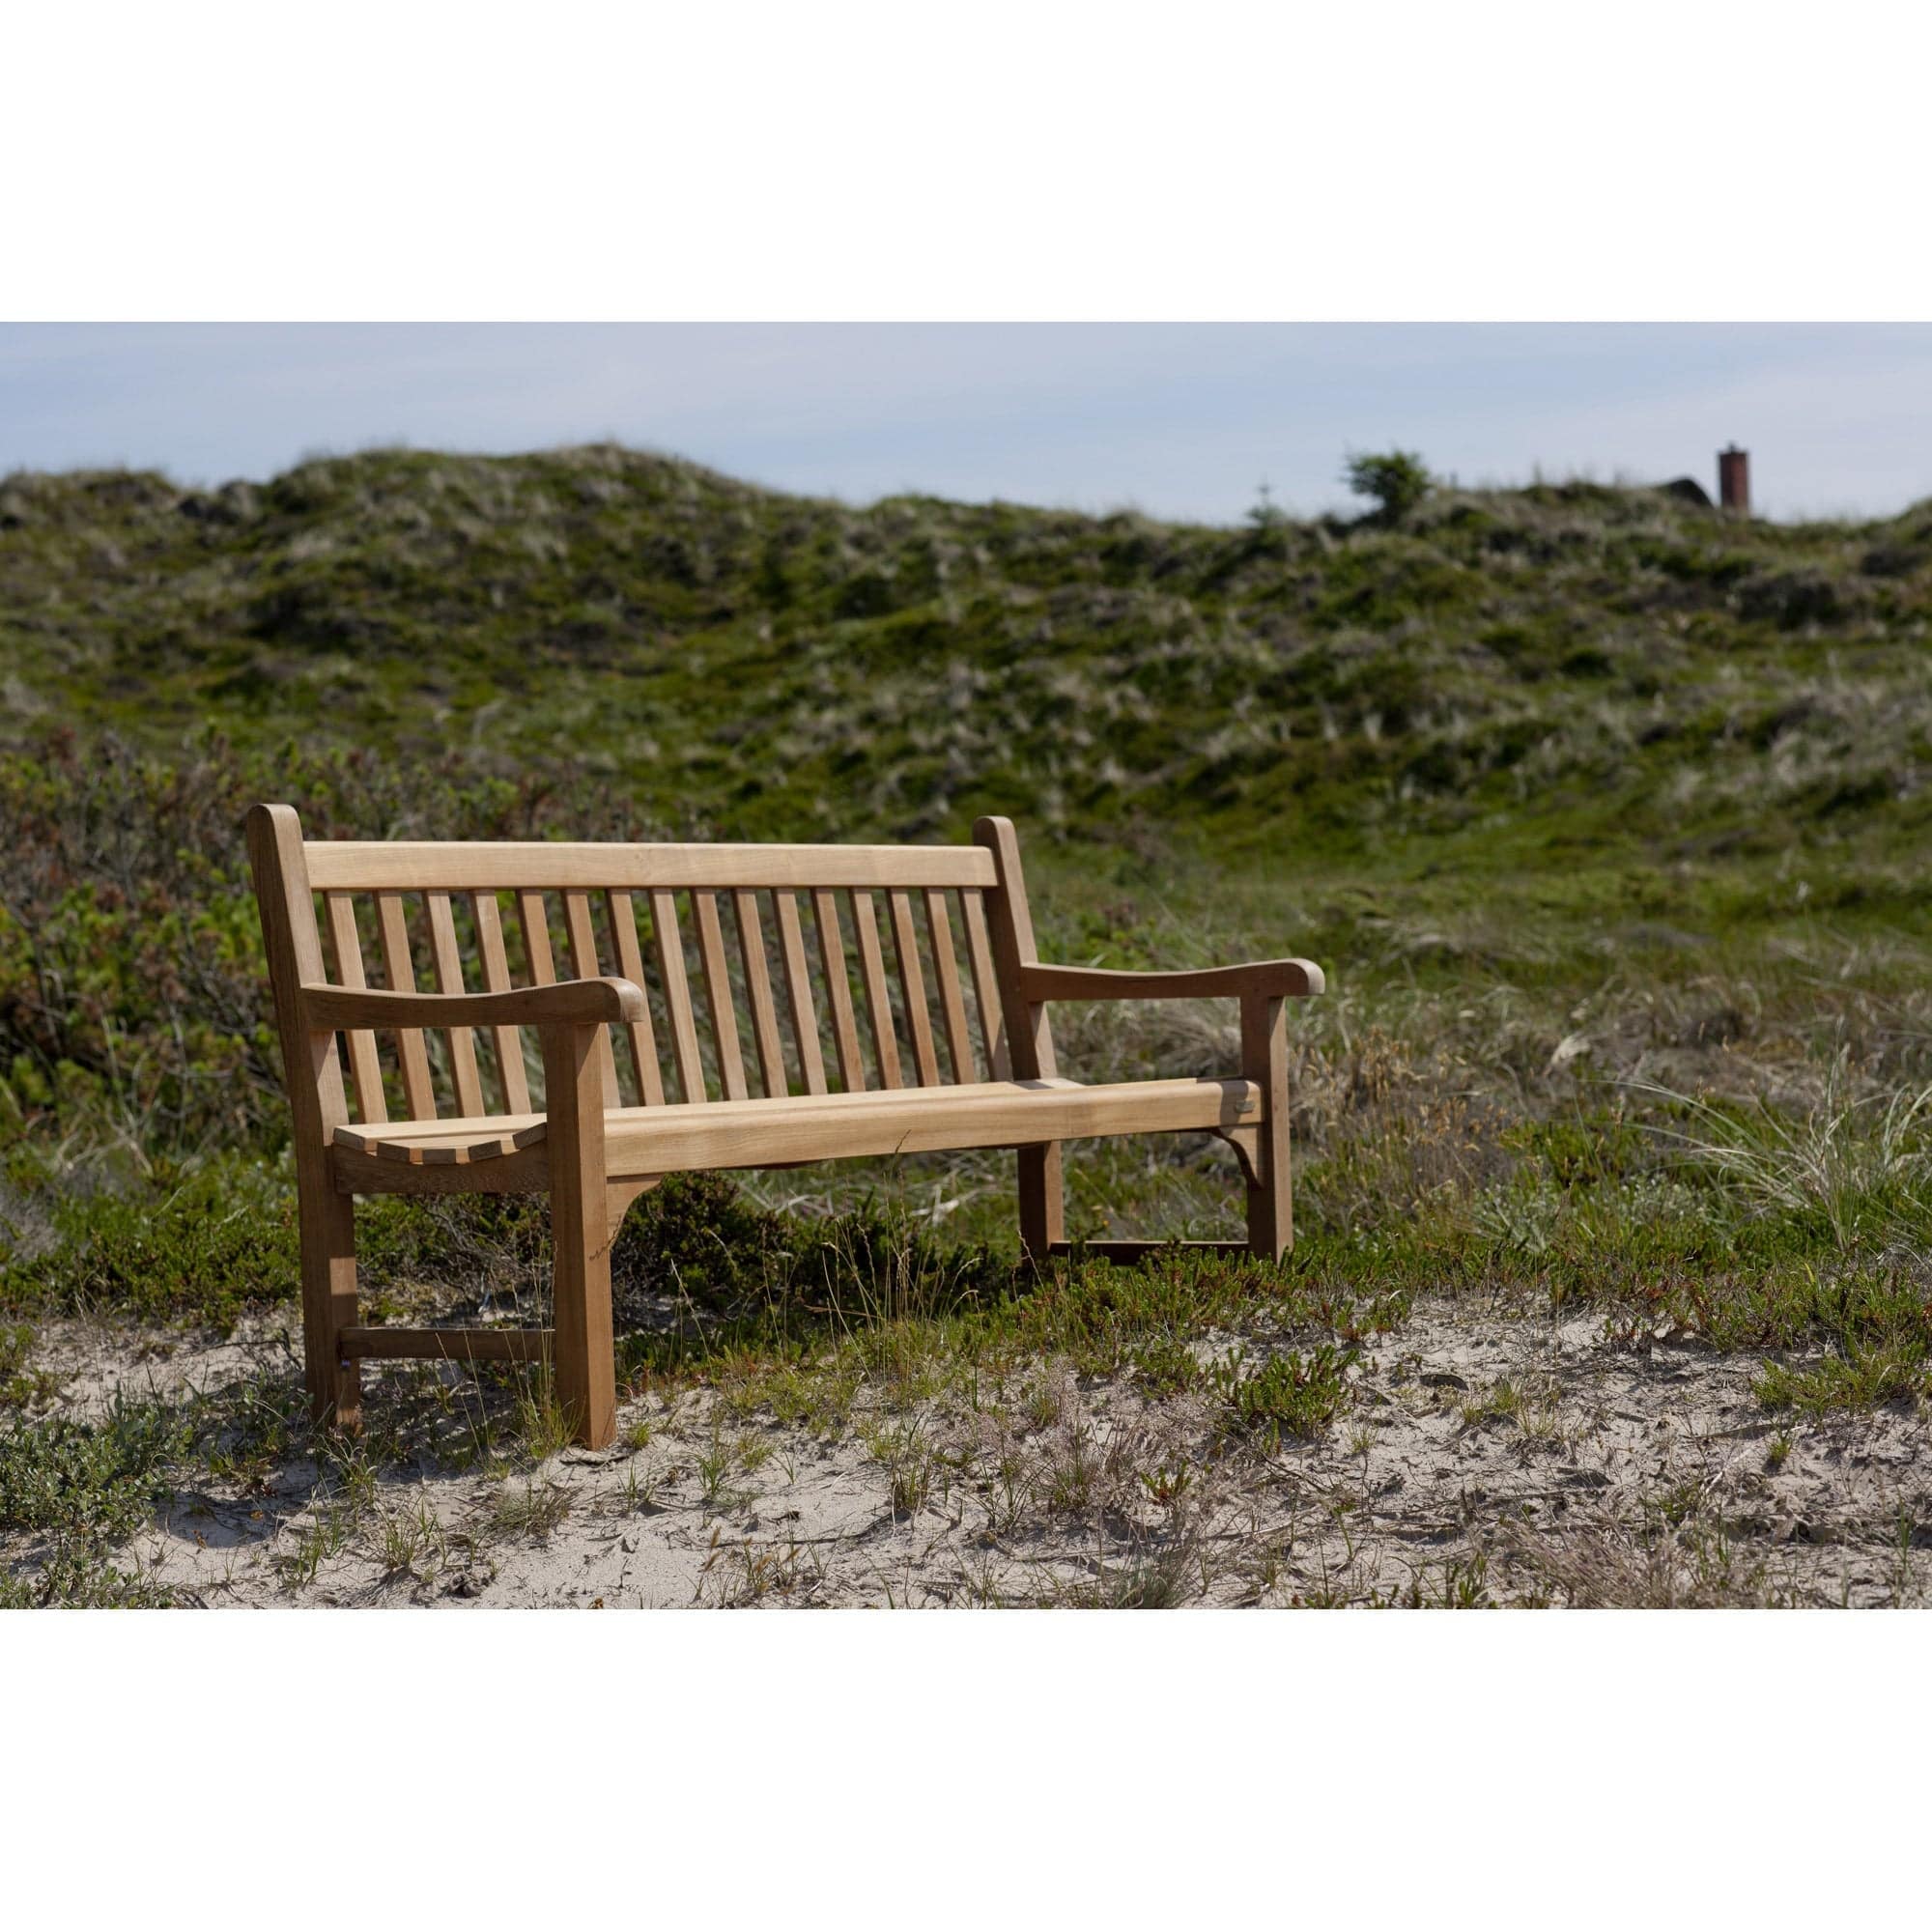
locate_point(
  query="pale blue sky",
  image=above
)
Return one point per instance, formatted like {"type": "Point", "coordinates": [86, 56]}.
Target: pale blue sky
{"type": "Point", "coordinates": [1181, 419]}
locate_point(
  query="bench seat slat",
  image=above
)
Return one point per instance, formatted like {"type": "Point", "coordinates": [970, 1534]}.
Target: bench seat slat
{"type": "Point", "coordinates": [756, 1133]}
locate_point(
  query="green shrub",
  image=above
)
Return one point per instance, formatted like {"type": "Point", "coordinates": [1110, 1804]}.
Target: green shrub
{"type": "Point", "coordinates": [1396, 482]}
{"type": "Point", "coordinates": [95, 1479]}
{"type": "Point", "coordinates": [80, 1489]}
{"type": "Point", "coordinates": [201, 1248]}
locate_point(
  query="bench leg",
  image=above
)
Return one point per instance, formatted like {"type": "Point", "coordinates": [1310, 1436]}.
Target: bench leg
{"type": "Point", "coordinates": [1264, 1062]}
{"type": "Point", "coordinates": [580, 1224]}
{"type": "Point", "coordinates": [1042, 1201]}
{"type": "Point", "coordinates": [328, 1302]}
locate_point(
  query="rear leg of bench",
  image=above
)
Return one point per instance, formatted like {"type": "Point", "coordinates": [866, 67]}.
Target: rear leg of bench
{"type": "Point", "coordinates": [328, 1302]}
{"type": "Point", "coordinates": [1042, 1201]}
{"type": "Point", "coordinates": [1264, 1062]}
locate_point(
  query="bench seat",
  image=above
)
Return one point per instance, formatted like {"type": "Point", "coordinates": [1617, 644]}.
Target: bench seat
{"type": "Point", "coordinates": [827, 1126]}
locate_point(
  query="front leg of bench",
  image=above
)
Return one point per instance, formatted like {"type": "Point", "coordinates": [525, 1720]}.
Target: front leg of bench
{"type": "Point", "coordinates": [580, 1233]}
{"type": "Point", "coordinates": [328, 1295]}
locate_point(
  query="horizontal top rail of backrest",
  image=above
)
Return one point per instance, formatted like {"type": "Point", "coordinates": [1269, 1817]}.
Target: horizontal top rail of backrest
{"type": "Point", "coordinates": [542, 865]}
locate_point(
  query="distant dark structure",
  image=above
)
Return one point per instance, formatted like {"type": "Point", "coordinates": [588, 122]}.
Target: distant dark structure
{"type": "Point", "coordinates": [1687, 489]}
{"type": "Point", "coordinates": [1734, 480]}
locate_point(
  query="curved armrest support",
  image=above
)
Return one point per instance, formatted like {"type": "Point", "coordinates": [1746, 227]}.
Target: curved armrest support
{"type": "Point", "coordinates": [1270, 979]}
{"type": "Point", "coordinates": [568, 1002]}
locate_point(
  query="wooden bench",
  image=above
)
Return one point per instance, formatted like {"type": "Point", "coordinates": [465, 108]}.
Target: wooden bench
{"type": "Point", "coordinates": [630, 1081]}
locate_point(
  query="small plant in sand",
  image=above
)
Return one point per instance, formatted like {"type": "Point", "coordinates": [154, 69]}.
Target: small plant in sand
{"type": "Point", "coordinates": [905, 1450]}
{"type": "Point", "coordinates": [543, 1426]}
{"type": "Point", "coordinates": [531, 1508]}
{"type": "Point", "coordinates": [410, 1540]}
{"type": "Point", "coordinates": [1166, 1366]}
{"type": "Point", "coordinates": [1287, 1395]}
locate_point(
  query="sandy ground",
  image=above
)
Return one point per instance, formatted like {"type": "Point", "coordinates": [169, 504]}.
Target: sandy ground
{"type": "Point", "coordinates": [1483, 1458]}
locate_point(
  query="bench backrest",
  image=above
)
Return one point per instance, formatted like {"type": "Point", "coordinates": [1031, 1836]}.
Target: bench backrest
{"type": "Point", "coordinates": [768, 970]}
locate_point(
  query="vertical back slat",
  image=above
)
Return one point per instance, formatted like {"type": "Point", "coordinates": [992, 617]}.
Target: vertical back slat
{"type": "Point", "coordinates": [583, 936]}
{"type": "Point", "coordinates": [798, 993]}
{"type": "Point", "coordinates": [718, 995]}
{"type": "Point", "coordinates": [677, 999]}
{"type": "Point", "coordinates": [872, 974]}
{"type": "Point", "coordinates": [912, 981]}
{"type": "Point", "coordinates": [449, 958]}
{"type": "Point", "coordinates": [534, 919]}
{"type": "Point", "coordinates": [758, 993]}
{"type": "Point", "coordinates": [365, 1066]}
{"type": "Point", "coordinates": [399, 972]}
{"type": "Point", "coordinates": [986, 986]}
{"type": "Point", "coordinates": [952, 1002]}
{"type": "Point", "coordinates": [839, 989]}
{"type": "Point", "coordinates": [509, 1040]}
{"type": "Point", "coordinates": [641, 1033]}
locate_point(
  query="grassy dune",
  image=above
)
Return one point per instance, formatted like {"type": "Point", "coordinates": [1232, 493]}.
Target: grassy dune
{"type": "Point", "coordinates": [1602, 811]}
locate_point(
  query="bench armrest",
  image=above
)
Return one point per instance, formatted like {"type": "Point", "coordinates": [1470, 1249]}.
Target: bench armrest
{"type": "Point", "coordinates": [568, 1002]}
{"type": "Point", "coordinates": [1274, 979]}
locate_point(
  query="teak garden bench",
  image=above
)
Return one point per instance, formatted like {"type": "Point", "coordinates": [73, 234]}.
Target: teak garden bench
{"type": "Point", "coordinates": [629, 1084]}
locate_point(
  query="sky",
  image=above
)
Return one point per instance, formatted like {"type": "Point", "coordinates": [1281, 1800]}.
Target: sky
{"type": "Point", "coordinates": [1178, 420]}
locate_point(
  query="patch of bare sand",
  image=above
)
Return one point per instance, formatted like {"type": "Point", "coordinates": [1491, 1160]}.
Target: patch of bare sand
{"type": "Point", "coordinates": [1483, 1458]}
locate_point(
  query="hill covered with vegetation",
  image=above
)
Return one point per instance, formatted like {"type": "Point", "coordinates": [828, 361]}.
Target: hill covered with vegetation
{"type": "Point", "coordinates": [1607, 663]}
{"type": "Point", "coordinates": [1511, 731]}
{"type": "Point", "coordinates": [1575, 716]}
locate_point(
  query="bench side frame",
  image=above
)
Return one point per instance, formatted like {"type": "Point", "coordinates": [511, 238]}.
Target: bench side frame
{"type": "Point", "coordinates": [312, 1074]}
{"type": "Point", "coordinates": [1025, 986]}
{"type": "Point", "coordinates": [1042, 1193]}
